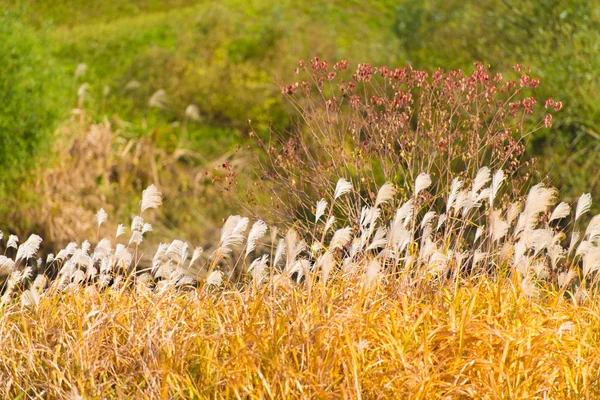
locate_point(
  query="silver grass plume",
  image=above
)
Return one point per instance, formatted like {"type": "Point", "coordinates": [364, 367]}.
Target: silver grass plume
{"type": "Point", "coordinates": [137, 224]}
{"type": "Point", "coordinates": [196, 255]}
{"type": "Point", "coordinates": [101, 216]}
{"type": "Point", "coordinates": [342, 187]}
{"type": "Point", "coordinates": [120, 230]}
{"type": "Point", "coordinates": [561, 211]}
{"type": "Point", "coordinates": [454, 189]}
{"type": "Point", "coordinates": [151, 198]}
{"type": "Point", "coordinates": [29, 248]}
{"type": "Point", "coordinates": [232, 233]}
{"type": "Point", "coordinates": [279, 252]}
{"type": "Point", "coordinates": [258, 230]}
{"type": "Point", "coordinates": [427, 219]}
{"type": "Point", "coordinates": [192, 112]}
{"type": "Point", "coordinates": [340, 238]}
{"type": "Point", "coordinates": [583, 205]}
{"type": "Point", "coordinates": [158, 99]}
{"type": "Point", "coordinates": [592, 231]}
{"type": "Point", "coordinates": [385, 194]}
{"type": "Point", "coordinates": [497, 181]}
{"type": "Point", "coordinates": [321, 206]}
{"type": "Point", "coordinates": [215, 278]}
{"type": "Point", "coordinates": [372, 273]}
{"type": "Point", "coordinates": [538, 201]}
{"type": "Point", "coordinates": [258, 269]}
{"type": "Point", "coordinates": [13, 241]}
{"type": "Point", "coordinates": [422, 182]}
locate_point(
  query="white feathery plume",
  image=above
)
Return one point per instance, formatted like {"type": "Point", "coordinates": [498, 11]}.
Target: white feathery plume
{"type": "Point", "coordinates": [481, 179]}
{"type": "Point", "coordinates": [258, 230]}
{"type": "Point", "coordinates": [146, 228]}
{"type": "Point", "coordinates": [103, 249]}
{"type": "Point", "coordinates": [232, 233]}
{"type": "Point", "coordinates": [427, 218]}
{"type": "Point", "coordinates": [13, 241]}
{"type": "Point", "coordinates": [123, 256]}
{"type": "Point", "coordinates": [454, 189]}
{"type": "Point", "coordinates": [342, 187]}
{"type": "Point", "coordinates": [356, 246]}
{"type": "Point", "coordinates": [497, 181]}
{"type": "Point", "coordinates": [101, 216]}
{"type": "Point", "coordinates": [340, 238]}
{"type": "Point", "coordinates": [158, 99]}
{"type": "Point", "coordinates": [385, 194]}
{"type": "Point", "coordinates": [279, 252]}
{"type": "Point", "coordinates": [422, 182]}
{"type": "Point", "coordinates": [404, 213]}
{"type": "Point", "coordinates": [50, 258]}
{"type": "Point", "coordinates": [583, 248]}
{"type": "Point", "coordinates": [478, 233]}
{"type": "Point", "coordinates": [137, 224]}
{"type": "Point", "coordinates": [540, 269]}
{"type": "Point", "coordinates": [321, 206]}
{"type": "Point", "coordinates": [85, 247]}
{"type": "Point", "coordinates": [591, 261]}
{"type": "Point", "coordinates": [215, 278]}
{"type": "Point", "coordinates": [136, 237]}
{"type": "Point", "coordinates": [556, 253]}
{"type": "Point", "coordinates": [196, 255]}
{"type": "Point", "coordinates": [462, 201]}
{"type": "Point", "coordinates": [329, 224]}
{"type": "Point", "coordinates": [538, 201]}
{"type": "Point", "coordinates": [592, 231]}
{"type": "Point", "coordinates": [192, 112]}
{"type": "Point", "coordinates": [369, 216]}
{"type": "Point", "coordinates": [372, 272]}
{"type": "Point", "coordinates": [1, 235]}
{"type": "Point", "coordinates": [158, 256]}
{"type": "Point", "coordinates": [66, 252]}
{"type": "Point", "coordinates": [561, 211]}
{"type": "Point", "coordinates": [151, 198]}
{"type": "Point", "coordinates": [539, 239]}
{"type": "Point", "coordinates": [583, 205]}
{"type": "Point", "coordinates": [513, 212]}
{"type": "Point", "coordinates": [258, 269]}
{"type": "Point", "coordinates": [575, 236]}
{"type": "Point", "coordinates": [326, 262]}
{"type": "Point", "coordinates": [379, 240]}
{"type": "Point", "coordinates": [519, 253]}
{"type": "Point", "coordinates": [6, 265]}
{"type": "Point", "coordinates": [499, 227]}
{"type": "Point", "coordinates": [29, 248]}
{"type": "Point", "coordinates": [441, 219]}
{"type": "Point", "coordinates": [293, 248]}
{"type": "Point", "coordinates": [120, 230]}
{"type": "Point", "coordinates": [564, 278]}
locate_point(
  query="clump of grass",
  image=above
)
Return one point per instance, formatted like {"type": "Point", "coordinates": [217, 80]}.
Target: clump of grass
{"type": "Point", "coordinates": [392, 339]}
{"type": "Point", "coordinates": [401, 302]}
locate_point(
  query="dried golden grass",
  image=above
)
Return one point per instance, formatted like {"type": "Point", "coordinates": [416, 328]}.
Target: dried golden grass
{"type": "Point", "coordinates": [95, 166]}
{"type": "Point", "coordinates": [395, 340]}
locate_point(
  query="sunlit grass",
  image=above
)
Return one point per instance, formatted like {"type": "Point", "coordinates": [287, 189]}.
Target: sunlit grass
{"type": "Point", "coordinates": [396, 339]}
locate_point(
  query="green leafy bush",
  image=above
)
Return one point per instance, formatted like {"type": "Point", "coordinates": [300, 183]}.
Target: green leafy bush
{"type": "Point", "coordinates": [29, 99]}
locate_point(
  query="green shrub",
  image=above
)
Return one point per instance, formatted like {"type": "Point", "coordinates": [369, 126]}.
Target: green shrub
{"type": "Point", "coordinates": [29, 98]}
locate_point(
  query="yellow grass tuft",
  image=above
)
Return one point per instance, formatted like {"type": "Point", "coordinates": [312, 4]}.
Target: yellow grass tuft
{"type": "Point", "coordinates": [394, 340]}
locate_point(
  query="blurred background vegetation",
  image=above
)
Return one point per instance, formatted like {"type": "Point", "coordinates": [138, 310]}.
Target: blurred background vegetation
{"type": "Point", "coordinates": [182, 78]}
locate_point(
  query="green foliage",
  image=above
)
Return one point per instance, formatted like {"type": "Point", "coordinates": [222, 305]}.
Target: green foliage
{"type": "Point", "coordinates": [29, 97]}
